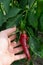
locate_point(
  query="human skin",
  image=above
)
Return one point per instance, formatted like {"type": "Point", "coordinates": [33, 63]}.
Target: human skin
{"type": "Point", "coordinates": [7, 50]}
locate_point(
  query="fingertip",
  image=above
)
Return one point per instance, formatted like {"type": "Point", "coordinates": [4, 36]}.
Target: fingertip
{"type": "Point", "coordinates": [14, 28]}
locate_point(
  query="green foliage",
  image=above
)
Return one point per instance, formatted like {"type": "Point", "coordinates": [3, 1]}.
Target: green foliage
{"type": "Point", "coordinates": [40, 5]}
{"type": "Point", "coordinates": [25, 15]}
{"type": "Point", "coordinates": [22, 25]}
{"type": "Point", "coordinates": [22, 3]}
{"type": "Point", "coordinates": [19, 62]}
{"type": "Point", "coordinates": [2, 18]}
{"type": "Point", "coordinates": [12, 12]}
{"type": "Point", "coordinates": [13, 21]}
{"type": "Point", "coordinates": [35, 46]}
{"type": "Point", "coordinates": [5, 5]}
{"type": "Point", "coordinates": [41, 23]}
{"type": "Point", "coordinates": [32, 20]}
{"type": "Point", "coordinates": [30, 2]}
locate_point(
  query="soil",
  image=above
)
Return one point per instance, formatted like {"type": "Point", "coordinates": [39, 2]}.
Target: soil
{"type": "Point", "coordinates": [38, 61]}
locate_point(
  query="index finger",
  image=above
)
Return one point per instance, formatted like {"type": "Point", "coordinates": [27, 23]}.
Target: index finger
{"type": "Point", "coordinates": [10, 31]}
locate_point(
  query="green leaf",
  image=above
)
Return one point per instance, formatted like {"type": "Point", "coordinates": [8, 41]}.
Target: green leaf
{"type": "Point", "coordinates": [13, 12]}
{"type": "Point", "coordinates": [30, 2]}
{"type": "Point", "coordinates": [32, 20]}
{"type": "Point", "coordinates": [22, 3]}
{"type": "Point", "coordinates": [2, 19]}
{"type": "Point", "coordinates": [36, 46]}
{"type": "Point", "coordinates": [29, 31]}
{"type": "Point", "coordinates": [31, 63]}
{"type": "Point", "coordinates": [41, 23]}
{"type": "Point", "coordinates": [40, 6]}
{"type": "Point", "coordinates": [13, 21]}
{"type": "Point", "coordinates": [5, 4]}
{"type": "Point", "coordinates": [20, 62]}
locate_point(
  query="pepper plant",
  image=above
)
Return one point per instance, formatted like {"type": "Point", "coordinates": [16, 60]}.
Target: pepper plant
{"type": "Point", "coordinates": [25, 15]}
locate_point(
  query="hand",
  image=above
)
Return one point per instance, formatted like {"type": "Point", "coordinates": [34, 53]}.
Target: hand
{"type": "Point", "coordinates": [8, 49]}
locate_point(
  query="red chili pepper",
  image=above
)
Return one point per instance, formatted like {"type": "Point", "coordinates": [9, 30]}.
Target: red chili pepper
{"type": "Point", "coordinates": [23, 41]}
